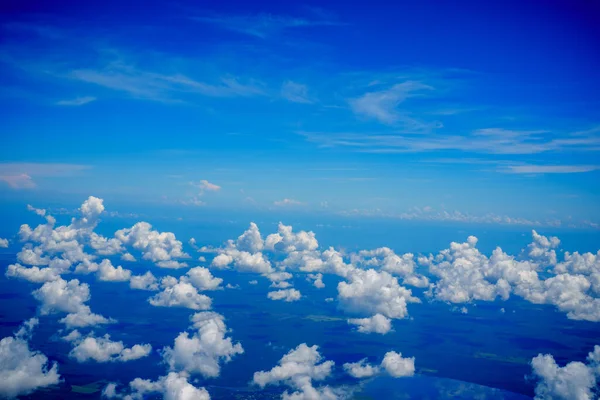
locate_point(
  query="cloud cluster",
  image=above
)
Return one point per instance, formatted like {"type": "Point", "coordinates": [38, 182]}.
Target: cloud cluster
{"type": "Point", "coordinates": [576, 380]}
{"type": "Point", "coordinates": [297, 369]}
{"type": "Point", "coordinates": [22, 370]}
{"type": "Point", "coordinates": [464, 274]}
{"type": "Point", "coordinates": [393, 364]}
{"type": "Point", "coordinates": [102, 349]}
{"type": "Point", "coordinates": [68, 297]}
{"type": "Point", "coordinates": [203, 351]}
{"type": "Point", "coordinates": [171, 387]}
{"type": "Point", "coordinates": [376, 324]}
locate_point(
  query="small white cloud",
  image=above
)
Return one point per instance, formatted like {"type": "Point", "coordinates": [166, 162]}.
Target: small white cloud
{"type": "Point", "coordinates": [171, 387]}
{"type": "Point", "coordinates": [144, 282]}
{"type": "Point", "coordinates": [295, 92]}
{"type": "Point", "coordinates": [375, 324]}
{"type": "Point", "coordinates": [288, 295]}
{"type": "Point", "coordinates": [361, 369]}
{"type": "Point", "coordinates": [3, 243]}
{"type": "Point", "coordinates": [287, 203]}
{"type": "Point", "coordinates": [78, 101]}
{"type": "Point", "coordinates": [397, 366]}
{"type": "Point", "coordinates": [180, 294]}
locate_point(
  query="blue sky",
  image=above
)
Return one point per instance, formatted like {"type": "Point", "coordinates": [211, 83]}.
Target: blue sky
{"type": "Point", "coordinates": [474, 111]}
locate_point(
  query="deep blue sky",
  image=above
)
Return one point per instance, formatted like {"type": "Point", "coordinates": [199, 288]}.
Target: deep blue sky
{"type": "Point", "coordinates": [413, 109]}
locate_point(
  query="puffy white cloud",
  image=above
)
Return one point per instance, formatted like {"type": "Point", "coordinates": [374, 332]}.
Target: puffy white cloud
{"type": "Point", "coordinates": [180, 294]}
{"type": "Point", "coordinates": [22, 370]}
{"type": "Point", "coordinates": [397, 366]}
{"type": "Point", "coordinates": [317, 280]}
{"type": "Point", "coordinates": [253, 282]}
{"type": "Point", "coordinates": [285, 240]}
{"type": "Point", "coordinates": [375, 292]}
{"type": "Point", "coordinates": [107, 272]}
{"type": "Point", "coordinates": [251, 240]}
{"type": "Point", "coordinates": [393, 363]}
{"type": "Point", "coordinates": [69, 297]}
{"type": "Point", "coordinates": [32, 274]}
{"type": "Point", "coordinates": [104, 246]}
{"type": "Point", "coordinates": [575, 380]}
{"type": "Point", "coordinates": [361, 369]}
{"type": "Point", "coordinates": [162, 248]}
{"type": "Point", "coordinates": [202, 279]}
{"type": "Point", "coordinates": [102, 349]}
{"type": "Point", "coordinates": [3, 243]}
{"type": "Point", "coordinates": [288, 295]}
{"type": "Point", "coordinates": [542, 249]}
{"type": "Point", "coordinates": [144, 282]}
{"type": "Point", "coordinates": [171, 387]}
{"type": "Point", "coordinates": [376, 324]}
{"type": "Point", "coordinates": [242, 261]}
{"type": "Point", "coordinates": [296, 368]}
{"type": "Point", "coordinates": [203, 351]}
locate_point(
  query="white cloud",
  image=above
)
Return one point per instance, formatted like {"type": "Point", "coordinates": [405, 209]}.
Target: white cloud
{"type": "Point", "coordinates": [375, 324]}
{"type": "Point", "coordinates": [397, 366]}
{"type": "Point", "coordinates": [69, 297]}
{"type": "Point", "coordinates": [361, 369]}
{"type": "Point", "coordinates": [172, 387]}
{"type": "Point", "coordinates": [102, 349]}
{"type": "Point", "coordinates": [297, 369]}
{"type": "Point", "coordinates": [78, 101]}
{"type": "Point", "coordinates": [205, 185]}
{"type": "Point", "coordinates": [374, 292]}
{"type": "Point", "coordinates": [393, 364]}
{"type": "Point", "coordinates": [203, 351]}
{"type": "Point", "coordinates": [287, 202]}
{"type": "Point", "coordinates": [382, 105]}
{"type": "Point", "coordinates": [22, 370]}
{"type": "Point", "coordinates": [317, 280]}
{"type": "Point", "coordinates": [180, 294]}
{"type": "Point", "coordinates": [107, 272]}
{"type": "Point", "coordinates": [32, 274]}
{"type": "Point", "coordinates": [575, 380]}
{"type": "Point", "coordinates": [288, 295]}
{"type": "Point", "coordinates": [202, 279]}
{"type": "Point", "coordinates": [549, 169]}
{"type": "Point", "coordinates": [295, 92]}
{"type": "Point", "coordinates": [20, 181]}
{"type": "Point", "coordinates": [161, 248]}
{"type": "Point", "coordinates": [144, 282]}
{"type": "Point", "coordinates": [3, 243]}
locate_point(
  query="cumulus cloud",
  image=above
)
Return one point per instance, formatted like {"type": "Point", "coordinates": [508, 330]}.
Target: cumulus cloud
{"type": "Point", "coordinates": [180, 293]}
{"type": "Point", "coordinates": [397, 366]}
{"type": "Point", "coordinates": [375, 324]}
{"type": "Point", "coordinates": [102, 349]}
{"type": "Point", "coordinates": [202, 279]}
{"type": "Point", "coordinates": [32, 274]}
{"type": "Point", "coordinates": [317, 280]}
{"type": "Point", "coordinates": [3, 243]}
{"type": "Point", "coordinates": [393, 364]}
{"type": "Point", "coordinates": [375, 292]}
{"type": "Point", "coordinates": [68, 297]}
{"type": "Point", "coordinates": [576, 380]}
{"type": "Point", "coordinates": [244, 254]}
{"type": "Point", "coordinates": [205, 349]}
{"type": "Point", "coordinates": [171, 387]}
{"type": "Point", "coordinates": [162, 248]}
{"type": "Point", "coordinates": [144, 282]}
{"type": "Point", "coordinates": [22, 370]}
{"type": "Point", "coordinates": [361, 369]}
{"type": "Point", "coordinates": [288, 295]}
{"type": "Point", "coordinates": [297, 369]}
{"type": "Point", "coordinates": [107, 272]}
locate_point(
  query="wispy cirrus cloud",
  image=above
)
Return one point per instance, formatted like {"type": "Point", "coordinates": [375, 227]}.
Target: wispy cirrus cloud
{"type": "Point", "coordinates": [287, 203]}
{"type": "Point", "coordinates": [263, 25]}
{"type": "Point", "coordinates": [295, 92]}
{"type": "Point", "coordinates": [150, 85]}
{"type": "Point", "coordinates": [483, 141]}
{"type": "Point", "coordinates": [78, 101]}
{"type": "Point", "coordinates": [548, 169]}
{"type": "Point", "coordinates": [383, 105]}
